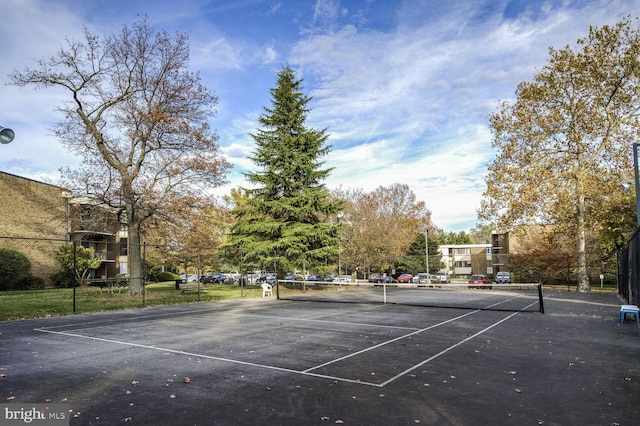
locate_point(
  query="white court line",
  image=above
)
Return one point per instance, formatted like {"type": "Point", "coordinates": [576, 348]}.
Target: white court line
{"type": "Point", "coordinates": [455, 345]}
{"type": "Point", "coordinates": [233, 361]}
{"type": "Point", "coordinates": [308, 371]}
{"type": "Point", "coordinates": [390, 341]}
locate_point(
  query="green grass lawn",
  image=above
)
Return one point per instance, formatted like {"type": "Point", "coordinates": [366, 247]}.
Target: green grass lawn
{"type": "Point", "coordinates": [52, 302]}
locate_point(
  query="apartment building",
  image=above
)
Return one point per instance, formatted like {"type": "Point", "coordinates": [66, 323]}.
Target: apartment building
{"type": "Point", "coordinates": [464, 260]}
{"type": "Point", "coordinates": [36, 218]}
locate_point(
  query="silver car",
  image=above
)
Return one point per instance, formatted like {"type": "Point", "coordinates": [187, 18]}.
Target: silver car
{"type": "Point", "coordinates": [503, 278]}
{"type": "Point", "coordinates": [442, 277]}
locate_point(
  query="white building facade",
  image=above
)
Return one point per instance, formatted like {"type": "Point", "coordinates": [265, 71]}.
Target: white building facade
{"type": "Point", "coordinates": [464, 260]}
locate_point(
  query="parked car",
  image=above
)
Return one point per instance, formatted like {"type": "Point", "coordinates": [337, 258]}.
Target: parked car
{"type": "Point", "coordinates": [294, 277]}
{"type": "Point", "coordinates": [405, 278]}
{"type": "Point", "coordinates": [503, 277]}
{"type": "Point", "coordinates": [190, 277]}
{"type": "Point", "coordinates": [480, 281]}
{"type": "Point", "coordinates": [219, 278]}
{"type": "Point", "coordinates": [442, 277]}
{"type": "Point", "coordinates": [266, 277]}
{"type": "Point", "coordinates": [386, 279]}
{"type": "Point", "coordinates": [374, 278]}
{"type": "Point", "coordinates": [208, 278]}
{"type": "Point", "coordinates": [422, 278]}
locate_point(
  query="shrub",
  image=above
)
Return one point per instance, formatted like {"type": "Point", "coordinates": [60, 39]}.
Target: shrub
{"type": "Point", "coordinates": [63, 279]}
{"type": "Point", "coordinates": [167, 276]}
{"type": "Point", "coordinates": [30, 282]}
{"type": "Point", "coordinates": [14, 267]}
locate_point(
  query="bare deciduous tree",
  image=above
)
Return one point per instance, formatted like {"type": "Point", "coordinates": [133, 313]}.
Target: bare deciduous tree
{"type": "Point", "coordinates": [138, 118]}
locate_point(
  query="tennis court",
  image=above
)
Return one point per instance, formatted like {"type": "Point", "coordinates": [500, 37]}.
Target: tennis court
{"type": "Point", "coordinates": [268, 361]}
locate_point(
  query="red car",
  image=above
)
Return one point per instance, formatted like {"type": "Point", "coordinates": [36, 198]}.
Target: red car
{"type": "Point", "coordinates": [480, 281]}
{"type": "Point", "coordinates": [405, 278]}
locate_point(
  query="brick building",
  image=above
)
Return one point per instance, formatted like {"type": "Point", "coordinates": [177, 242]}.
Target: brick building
{"type": "Point", "coordinates": [36, 218]}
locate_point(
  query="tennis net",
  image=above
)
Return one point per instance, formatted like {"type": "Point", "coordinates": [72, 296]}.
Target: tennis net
{"type": "Point", "coordinates": [496, 297]}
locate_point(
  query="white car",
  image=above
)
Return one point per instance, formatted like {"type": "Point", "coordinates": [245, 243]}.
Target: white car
{"type": "Point", "coordinates": [442, 277]}
{"type": "Point", "coordinates": [503, 278]}
{"type": "Point", "coordinates": [422, 277]}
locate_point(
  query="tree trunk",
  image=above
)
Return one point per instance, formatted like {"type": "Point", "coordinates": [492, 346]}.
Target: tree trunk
{"type": "Point", "coordinates": [583, 277]}
{"type": "Point", "coordinates": [135, 265]}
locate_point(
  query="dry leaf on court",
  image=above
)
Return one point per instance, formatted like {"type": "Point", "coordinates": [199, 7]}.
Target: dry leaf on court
{"type": "Point", "coordinates": [518, 390]}
{"type": "Point", "coordinates": [187, 380]}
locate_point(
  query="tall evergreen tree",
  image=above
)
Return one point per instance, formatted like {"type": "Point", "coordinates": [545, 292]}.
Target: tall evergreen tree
{"type": "Point", "coordinates": [286, 222]}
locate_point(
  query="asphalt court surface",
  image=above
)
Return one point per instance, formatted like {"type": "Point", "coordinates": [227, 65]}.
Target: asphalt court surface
{"type": "Point", "coordinates": [265, 361]}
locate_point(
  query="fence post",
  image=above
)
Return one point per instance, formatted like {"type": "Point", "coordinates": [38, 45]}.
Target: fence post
{"type": "Point", "coordinates": [75, 283]}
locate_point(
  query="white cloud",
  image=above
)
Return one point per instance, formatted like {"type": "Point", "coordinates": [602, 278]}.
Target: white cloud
{"type": "Point", "coordinates": [405, 97]}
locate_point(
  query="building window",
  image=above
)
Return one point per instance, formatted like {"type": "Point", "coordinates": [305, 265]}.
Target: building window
{"type": "Point", "coordinates": [462, 251]}
{"type": "Point", "coordinates": [463, 264]}
{"type": "Point", "coordinates": [123, 246]}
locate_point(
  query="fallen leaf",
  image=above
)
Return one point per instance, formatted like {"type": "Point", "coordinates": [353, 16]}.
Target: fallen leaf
{"type": "Point", "coordinates": [187, 380]}
{"type": "Point", "coordinates": [518, 390]}
{"type": "Point", "coordinates": [134, 382]}
{"type": "Point", "coordinates": [172, 396]}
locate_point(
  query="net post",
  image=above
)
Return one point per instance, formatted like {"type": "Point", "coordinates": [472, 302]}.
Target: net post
{"type": "Point", "coordinates": [384, 291]}
{"type": "Point", "coordinates": [540, 299]}
{"type": "Point", "coordinates": [277, 289]}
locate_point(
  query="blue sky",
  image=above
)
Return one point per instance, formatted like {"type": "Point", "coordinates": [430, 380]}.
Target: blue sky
{"type": "Point", "coordinates": [403, 87]}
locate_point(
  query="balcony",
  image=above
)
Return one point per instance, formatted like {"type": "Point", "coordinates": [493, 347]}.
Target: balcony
{"type": "Point", "coordinates": [105, 256]}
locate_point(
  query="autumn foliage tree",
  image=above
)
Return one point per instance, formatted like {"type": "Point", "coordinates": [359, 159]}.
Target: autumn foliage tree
{"type": "Point", "coordinates": [378, 227]}
{"type": "Point", "coordinates": [139, 119]}
{"type": "Point", "coordinates": [565, 143]}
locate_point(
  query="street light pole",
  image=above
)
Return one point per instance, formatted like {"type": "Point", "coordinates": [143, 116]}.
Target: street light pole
{"type": "Point", "coordinates": [426, 247]}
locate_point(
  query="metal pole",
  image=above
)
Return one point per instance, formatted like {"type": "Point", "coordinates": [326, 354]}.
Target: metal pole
{"type": "Point", "coordinates": [540, 299]}
{"type": "Point", "coordinates": [75, 282]}
{"type": "Point", "coordinates": [637, 181]}
{"type": "Point", "coordinates": [198, 275]}
{"type": "Point", "coordinates": [339, 254]}
{"type": "Point", "coordinates": [144, 273]}
{"type": "Point", "coordinates": [426, 248]}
